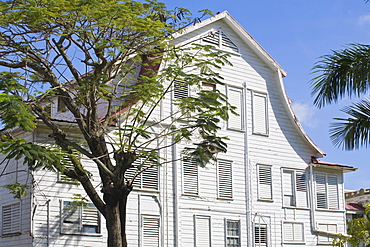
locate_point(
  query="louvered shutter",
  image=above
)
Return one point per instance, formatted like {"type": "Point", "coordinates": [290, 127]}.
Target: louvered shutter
{"type": "Point", "coordinates": [264, 182]}
{"type": "Point", "coordinates": [129, 174]}
{"type": "Point", "coordinates": [301, 189]}
{"type": "Point", "coordinates": [260, 114]}
{"type": "Point", "coordinates": [202, 231]}
{"type": "Point", "coordinates": [181, 90]}
{"type": "Point", "coordinates": [150, 231]}
{"type": "Point", "coordinates": [333, 192]}
{"type": "Point", "coordinates": [288, 188]}
{"type": "Point", "coordinates": [298, 232]}
{"type": "Point", "coordinates": [228, 43]}
{"type": "Point", "coordinates": [213, 38]}
{"type": "Point", "coordinates": [190, 176]}
{"type": "Point", "coordinates": [225, 182]}
{"type": "Point", "coordinates": [260, 235]}
{"type": "Point", "coordinates": [288, 232]}
{"type": "Point", "coordinates": [11, 215]}
{"type": "Point", "coordinates": [235, 98]}
{"type": "Point", "coordinates": [150, 178]}
{"type": "Point", "coordinates": [90, 219]}
{"type": "Point", "coordinates": [321, 191]}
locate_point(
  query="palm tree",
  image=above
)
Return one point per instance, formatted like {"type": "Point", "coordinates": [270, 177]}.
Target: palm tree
{"type": "Point", "coordinates": [345, 73]}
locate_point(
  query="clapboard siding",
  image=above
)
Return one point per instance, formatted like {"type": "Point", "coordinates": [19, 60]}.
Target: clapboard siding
{"type": "Point", "coordinates": [284, 147]}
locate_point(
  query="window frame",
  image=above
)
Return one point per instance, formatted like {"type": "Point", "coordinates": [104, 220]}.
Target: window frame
{"type": "Point", "coordinates": [295, 188]}
{"type": "Point", "coordinates": [221, 41]}
{"type": "Point", "coordinates": [228, 236]}
{"type": "Point", "coordinates": [259, 226]}
{"type": "Point", "coordinates": [235, 120]}
{"type": "Point", "coordinates": [197, 219]}
{"type": "Point", "coordinates": [143, 229]}
{"type": "Point", "coordinates": [14, 219]}
{"type": "Point", "coordinates": [301, 241]}
{"type": "Point", "coordinates": [139, 182]}
{"type": "Point", "coordinates": [226, 176]}
{"type": "Point", "coordinates": [328, 192]}
{"type": "Point", "coordinates": [64, 230]}
{"type": "Point", "coordinates": [259, 183]}
{"type": "Point", "coordinates": [255, 124]}
{"type": "Point", "coordinates": [188, 161]}
{"type": "Point", "coordinates": [328, 238]}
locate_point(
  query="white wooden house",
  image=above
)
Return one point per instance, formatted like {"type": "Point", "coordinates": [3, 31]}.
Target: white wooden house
{"type": "Point", "coordinates": [269, 189]}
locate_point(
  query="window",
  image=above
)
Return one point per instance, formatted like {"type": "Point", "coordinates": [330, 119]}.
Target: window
{"type": "Point", "coordinates": [61, 105]}
{"type": "Point", "coordinates": [327, 191]}
{"type": "Point", "coordinates": [225, 179]}
{"type": "Point", "coordinates": [202, 231]}
{"type": "Point", "coordinates": [150, 231]}
{"type": "Point", "coordinates": [264, 182]}
{"type": "Point", "coordinates": [190, 176]}
{"type": "Point", "coordinates": [232, 233]}
{"type": "Point", "coordinates": [327, 239]}
{"type": "Point", "coordinates": [148, 179]}
{"type": "Point", "coordinates": [77, 219]}
{"type": "Point", "coordinates": [294, 188]}
{"type": "Point", "coordinates": [293, 232]}
{"type": "Point", "coordinates": [221, 40]}
{"type": "Point", "coordinates": [259, 113]}
{"type": "Point", "coordinates": [11, 219]}
{"type": "Point", "coordinates": [235, 98]}
{"type": "Point", "coordinates": [181, 90]}
{"type": "Point", "coordinates": [260, 235]}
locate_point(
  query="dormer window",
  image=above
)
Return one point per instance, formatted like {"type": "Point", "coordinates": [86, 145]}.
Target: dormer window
{"type": "Point", "coordinates": [221, 40]}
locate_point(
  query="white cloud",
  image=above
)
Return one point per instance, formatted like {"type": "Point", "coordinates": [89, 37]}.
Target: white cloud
{"type": "Point", "coordinates": [305, 114]}
{"type": "Point", "coordinates": [364, 19]}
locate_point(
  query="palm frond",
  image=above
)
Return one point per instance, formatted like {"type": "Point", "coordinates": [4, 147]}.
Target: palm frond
{"type": "Point", "coordinates": [353, 132]}
{"type": "Point", "coordinates": [343, 73]}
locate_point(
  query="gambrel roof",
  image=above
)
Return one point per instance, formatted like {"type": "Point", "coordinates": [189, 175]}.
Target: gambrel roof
{"type": "Point", "coordinates": [264, 56]}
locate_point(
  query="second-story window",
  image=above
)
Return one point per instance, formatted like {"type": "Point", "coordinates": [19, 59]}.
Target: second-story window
{"type": "Point", "coordinates": [264, 182]}
{"type": "Point", "coordinates": [294, 188]}
{"type": "Point", "coordinates": [327, 191]}
{"type": "Point", "coordinates": [190, 176]}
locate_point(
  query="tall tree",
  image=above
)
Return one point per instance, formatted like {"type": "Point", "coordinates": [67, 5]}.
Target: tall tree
{"type": "Point", "coordinates": [117, 54]}
{"type": "Point", "coordinates": [344, 73]}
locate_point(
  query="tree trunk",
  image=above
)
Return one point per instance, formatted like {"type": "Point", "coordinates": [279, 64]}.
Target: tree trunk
{"type": "Point", "coordinates": [113, 223]}
{"type": "Point", "coordinates": [116, 218]}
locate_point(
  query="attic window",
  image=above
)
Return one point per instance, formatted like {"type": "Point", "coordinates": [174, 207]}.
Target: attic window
{"type": "Point", "coordinates": [221, 40]}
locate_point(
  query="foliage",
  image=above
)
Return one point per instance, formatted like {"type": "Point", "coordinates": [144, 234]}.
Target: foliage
{"type": "Point", "coordinates": [358, 231]}
{"type": "Point", "coordinates": [344, 73]}
{"type": "Point", "coordinates": [119, 55]}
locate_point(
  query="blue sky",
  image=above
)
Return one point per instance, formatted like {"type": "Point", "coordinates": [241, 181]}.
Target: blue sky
{"type": "Point", "coordinates": [296, 33]}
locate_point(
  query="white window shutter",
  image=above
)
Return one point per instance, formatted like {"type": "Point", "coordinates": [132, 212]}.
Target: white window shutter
{"type": "Point", "coordinates": [202, 231]}
{"type": "Point", "coordinates": [129, 174]}
{"type": "Point", "coordinates": [260, 235]}
{"type": "Point", "coordinates": [190, 176]}
{"type": "Point", "coordinates": [298, 232]}
{"type": "Point", "coordinates": [150, 228]}
{"type": "Point", "coordinates": [333, 192]}
{"type": "Point", "coordinates": [264, 182]}
{"type": "Point", "coordinates": [150, 178]}
{"type": "Point", "coordinates": [181, 90]}
{"type": "Point", "coordinates": [321, 200]}
{"type": "Point", "coordinates": [228, 43]}
{"type": "Point", "coordinates": [260, 117]}
{"type": "Point", "coordinates": [288, 188]}
{"type": "Point", "coordinates": [301, 189]}
{"type": "Point", "coordinates": [225, 182]}
{"type": "Point", "coordinates": [235, 98]}
{"type": "Point", "coordinates": [90, 216]}
{"type": "Point", "coordinates": [11, 215]}
{"type": "Point", "coordinates": [288, 232]}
